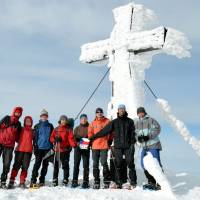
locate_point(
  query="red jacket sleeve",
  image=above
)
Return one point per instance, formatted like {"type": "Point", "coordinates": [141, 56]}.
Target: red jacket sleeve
{"type": "Point", "coordinates": [72, 142]}
{"type": "Point", "coordinates": [52, 137]}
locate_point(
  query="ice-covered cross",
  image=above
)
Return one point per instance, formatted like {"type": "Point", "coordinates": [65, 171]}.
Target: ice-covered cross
{"type": "Point", "coordinates": [129, 51]}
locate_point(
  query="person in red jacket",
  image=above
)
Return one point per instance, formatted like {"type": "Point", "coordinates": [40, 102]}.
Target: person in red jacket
{"type": "Point", "coordinates": [10, 128]}
{"type": "Point", "coordinates": [23, 153]}
{"type": "Point", "coordinates": [63, 140]}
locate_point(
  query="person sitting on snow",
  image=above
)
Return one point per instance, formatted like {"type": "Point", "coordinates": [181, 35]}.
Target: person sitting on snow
{"type": "Point", "coordinates": [42, 146]}
{"type": "Point", "coordinates": [147, 130]}
{"type": "Point", "coordinates": [63, 140]}
{"type": "Point", "coordinates": [124, 143]}
{"type": "Point", "coordinates": [10, 128]}
{"type": "Point", "coordinates": [81, 152]}
{"type": "Point", "coordinates": [99, 149]}
{"type": "Point", "coordinates": [23, 153]}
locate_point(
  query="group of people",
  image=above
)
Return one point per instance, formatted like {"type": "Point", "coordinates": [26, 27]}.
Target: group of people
{"type": "Point", "coordinates": [102, 135]}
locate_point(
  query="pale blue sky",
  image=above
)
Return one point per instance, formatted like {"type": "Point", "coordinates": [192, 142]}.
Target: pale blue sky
{"type": "Point", "coordinates": [39, 63]}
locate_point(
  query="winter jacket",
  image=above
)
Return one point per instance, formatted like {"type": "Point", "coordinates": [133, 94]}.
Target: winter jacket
{"type": "Point", "coordinates": [25, 142]}
{"type": "Point", "coordinates": [81, 131]}
{"type": "Point", "coordinates": [10, 128]}
{"type": "Point", "coordinates": [124, 132]}
{"type": "Point", "coordinates": [148, 126]}
{"type": "Point", "coordinates": [67, 138]}
{"type": "Point", "coordinates": [95, 127]}
{"type": "Point", "coordinates": [42, 133]}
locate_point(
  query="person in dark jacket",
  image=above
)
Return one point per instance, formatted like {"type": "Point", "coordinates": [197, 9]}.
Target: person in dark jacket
{"type": "Point", "coordinates": [147, 130]}
{"type": "Point", "coordinates": [124, 143]}
{"type": "Point", "coordinates": [23, 153]}
{"type": "Point", "coordinates": [10, 128]}
{"type": "Point", "coordinates": [63, 140]}
{"type": "Point", "coordinates": [81, 151]}
{"type": "Point", "coordinates": [42, 145]}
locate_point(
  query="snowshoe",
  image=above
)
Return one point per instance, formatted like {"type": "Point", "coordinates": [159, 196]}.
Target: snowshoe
{"type": "Point", "coordinates": [11, 185]}
{"type": "Point", "coordinates": [34, 186]}
{"type": "Point", "coordinates": [74, 184]}
{"type": "Point", "coordinates": [65, 182]}
{"type": "Point", "coordinates": [85, 185]}
{"type": "Point", "coordinates": [3, 185]}
{"type": "Point", "coordinates": [96, 186]}
{"type": "Point", "coordinates": [22, 186]}
{"type": "Point", "coordinates": [151, 186]}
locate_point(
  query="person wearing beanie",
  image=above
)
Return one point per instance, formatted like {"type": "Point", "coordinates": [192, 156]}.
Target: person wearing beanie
{"type": "Point", "coordinates": [42, 146]}
{"type": "Point", "coordinates": [99, 149]}
{"type": "Point", "coordinates": [63, 140]}
{"type": "Point", "coordinates": [10, 128]}
{"type": "Point", "coordinates": [81, 152]}
{"type": "Point", "coordinates": [23, 153]}
{"type": "Point", "coordinates": [124, 144]}
{"type": "Point", "coordinates": [148, 130]}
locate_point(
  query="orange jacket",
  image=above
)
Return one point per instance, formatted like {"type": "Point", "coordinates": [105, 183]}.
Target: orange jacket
{"type": "Point", "coordinates": [95, 127]}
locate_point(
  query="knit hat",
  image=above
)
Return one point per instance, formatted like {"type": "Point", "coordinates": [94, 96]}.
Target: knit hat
{"type": "Point", "coordinates": [44, 112]}
{"type": "Point", "coordinates": [141, 110]}
{"type": "Point", "coordinates": [63, 117]}
{"type": "Point", "coordinates": [122, 106]}
{"type": "Point", "coordinates": [99, 110]}
{"type": "Point", "coordinates": [83, 115]}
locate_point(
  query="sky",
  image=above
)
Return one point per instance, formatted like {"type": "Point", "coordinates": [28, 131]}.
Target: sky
{"type": "Point", "coordinates": [40, 68]}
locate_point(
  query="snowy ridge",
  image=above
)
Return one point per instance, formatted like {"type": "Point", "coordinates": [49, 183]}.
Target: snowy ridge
{"type": "Point", "coordinates": [179, 126]}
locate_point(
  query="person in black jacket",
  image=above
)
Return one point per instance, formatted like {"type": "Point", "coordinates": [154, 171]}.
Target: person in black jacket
{"type": "Point", "coordinates": [124, 143]}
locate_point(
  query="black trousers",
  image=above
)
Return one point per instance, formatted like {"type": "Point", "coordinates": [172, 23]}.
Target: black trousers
{"type": "Point", "coordinates": [39, 155]}
{"type": "Point", "coordinates": [62, 157]}
{"type": "Point", "coordinates": [7, 155]}
{"type": "Point", "coordinates": [85, 156]}
{"type": "Point", "coordinates": [129, 158]}
{"type": "Point", "coordinates": [100, 155]}
{"type": "Point", "coordinates": [22, 160]}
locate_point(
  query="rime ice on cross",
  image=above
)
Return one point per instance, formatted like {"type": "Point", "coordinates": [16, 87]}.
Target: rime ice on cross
{"type": "Point", "coordinates": [129, 51]}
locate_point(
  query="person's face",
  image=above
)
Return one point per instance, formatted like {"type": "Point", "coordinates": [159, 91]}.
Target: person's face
{"type": "Point", "coordinates": [141, 115]}
{"type": "Point", "coordinates": [63, 122]}
{"type": "Point", "coordinates": [28, 122]}
{"type": "Point", "coordinates": [83, 120]}
{"type": "Point", "coordinates": [43, 118]}
{"type": "Point", "coordinates": [121, 111]}
{"type": "Point", "coordinates": [99, 114]}
{"type": "Point", "coordinates": [17, 114]}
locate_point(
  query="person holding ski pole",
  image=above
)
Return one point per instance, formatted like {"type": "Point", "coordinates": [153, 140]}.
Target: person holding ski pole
{"type": "Point", "coordinates": [82, 151]}
{"type": "Point", "coordinates": [148, 130]}
{"type": "Point", "coordinates": [23, 153]}
{"type": "Point", "coordinates": [124, 144]}
{"type": "Point", "coordinates": [99, 149]}
{"type": "Point", "coordinates": [63, 140]}
{"type": "Point", "coordinates": [10, 128]}
{"type": "Point", "coordinates": [42, 146]}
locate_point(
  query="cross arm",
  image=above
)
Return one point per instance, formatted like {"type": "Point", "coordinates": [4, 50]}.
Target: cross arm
{"type": "Point", "coordinates": [95, 52]}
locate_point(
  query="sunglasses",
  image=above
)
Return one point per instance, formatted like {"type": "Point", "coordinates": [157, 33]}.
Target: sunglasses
{"type": "Point", "coordinates": [99, 112]}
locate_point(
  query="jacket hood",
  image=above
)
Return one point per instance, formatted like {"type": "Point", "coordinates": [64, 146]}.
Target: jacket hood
{"type": "Point", "coordinates": [31, 119]}
{"type": "Point", "coordinates": [19, 109]}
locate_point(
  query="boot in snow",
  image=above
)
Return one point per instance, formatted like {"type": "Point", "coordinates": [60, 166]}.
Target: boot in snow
{"type": "Point", "coordinates": [96, 185]}
{"type": "Point", "coordinates": [74, 184]}
{"type": "Point", "coordinates": [22, 186]}
{"type": "Point", "coordinates": [85, 185]}
{"type": "Point", "coordinates": [65, 182]}
{"type": "Point", "coordinates": [11, 185]}
{"type": "Point", "coordinates": [55, 182]}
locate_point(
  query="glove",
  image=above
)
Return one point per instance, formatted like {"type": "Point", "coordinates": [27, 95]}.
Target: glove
{"type": "Point", "coordinates": [143, 138]}
{"type": "Point", "coordinates": [58, 139]}
{"type": "Point", "coordinates": [110, 142]}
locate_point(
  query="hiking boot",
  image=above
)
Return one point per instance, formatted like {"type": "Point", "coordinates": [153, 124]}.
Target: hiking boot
{"type": "Point", "coordinates": [96, 185]}
{"type": "Point", "coordinates": [11, 185]}
{"type": "Point", "coordinates": [65, 182]}
{"type": "Point", "coordinates": [85, 185]}
{"type": "Point", "coordinates": [22, 186]}
{"type": "Point", "coordinates": [55, 182]}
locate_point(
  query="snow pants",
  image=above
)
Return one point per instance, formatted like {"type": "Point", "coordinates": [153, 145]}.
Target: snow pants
{"type": "Point", "coordinates": [100, 155]}
{"type": "Point", "coordinates": [85, 156]}
{"type": "Point", "coordinates": [7, 154]}
{"type": "Point", "coordinates": [22, 160]}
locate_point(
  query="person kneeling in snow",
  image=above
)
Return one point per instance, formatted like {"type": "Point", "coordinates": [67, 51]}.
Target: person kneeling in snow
{"type": "Point", "coordinates": [124, 144]}
{"type": "Point", "coordinates": [63, 140]}
{"type": "Point", "coordinates": [10, 128]}
{"type": "Point", "coordinates": [147, 130]}
{"type": "Point", "coordinates": [23, 153]}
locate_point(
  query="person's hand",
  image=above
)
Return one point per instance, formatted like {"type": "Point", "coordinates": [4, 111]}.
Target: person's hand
{"type": "Point", "coordinates": [143, 138]}
{"type": "Point", "coordinates": [58, 139]}
{"type": "Point", "coordinates": [109, 143]}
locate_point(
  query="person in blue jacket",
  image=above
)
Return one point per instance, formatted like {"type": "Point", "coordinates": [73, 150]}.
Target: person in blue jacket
{"type": "Point", "coordinates": [42, 145]}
